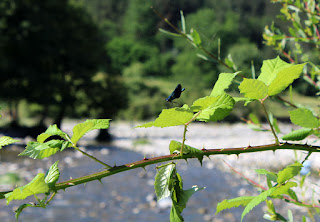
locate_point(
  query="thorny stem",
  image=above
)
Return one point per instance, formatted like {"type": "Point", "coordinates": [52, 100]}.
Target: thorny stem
{"type": "Point", "coordinates": [271, 126]}
{"type": "Point", "coordinates": [207, 152]}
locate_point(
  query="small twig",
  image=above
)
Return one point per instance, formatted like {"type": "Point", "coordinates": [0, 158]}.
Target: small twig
{"type": "Point", "coordinates": [306, 157]}
{"type": "Point", "coordinates": [271, 126]}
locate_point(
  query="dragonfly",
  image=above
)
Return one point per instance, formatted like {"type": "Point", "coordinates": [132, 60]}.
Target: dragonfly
{"type": "Point", "coordinates": [176, 93]}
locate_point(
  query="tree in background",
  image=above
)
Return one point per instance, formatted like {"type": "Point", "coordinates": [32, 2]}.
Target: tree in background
{"type": "Point", "coordinates": [51, 51]}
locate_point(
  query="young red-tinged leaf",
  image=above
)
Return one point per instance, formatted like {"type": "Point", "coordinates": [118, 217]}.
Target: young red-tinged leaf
{"type": "Point", "coordinates": [162, 181]}
{"type": "Point", "coordinates": [37, 185]}
{"type": "Point", "coordinates": [91, 124]}
{"type": "Point", "coordinates": [289, 172]}
{"type": "Point", "coordinates": [171, 117]}
{"type": "Point", "coordinates": [6, 140]}
{"type": "Point", "coordinates": [256, 201]}
{"type": "Point", "coordinates": [297, 135]}
{"type": "Point", "coordinates": [253, 89]}
{"type": "Point", "coordinates": [304, 118]}
{"type": "Point", "coordinates": [236, 202]}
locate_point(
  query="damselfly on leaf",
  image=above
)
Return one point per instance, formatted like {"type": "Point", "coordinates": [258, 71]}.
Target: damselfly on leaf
{"type": "Point", "coordinates": [176, 93]}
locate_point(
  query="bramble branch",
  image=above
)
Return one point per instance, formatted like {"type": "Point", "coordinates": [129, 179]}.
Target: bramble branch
{"type": "Point", "coordinates": [206, 152]}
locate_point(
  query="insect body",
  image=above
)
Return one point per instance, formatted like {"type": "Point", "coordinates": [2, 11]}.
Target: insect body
{"type": "Point", "coordinates": [176, 93]}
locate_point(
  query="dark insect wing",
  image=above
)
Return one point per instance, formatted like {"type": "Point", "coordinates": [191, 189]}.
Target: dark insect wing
{"type": "Point", "coordinates": [175, 94]}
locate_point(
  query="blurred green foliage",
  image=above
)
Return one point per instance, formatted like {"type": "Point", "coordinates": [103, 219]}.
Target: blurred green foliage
{"type": "Point", "coordinates": [81, 58]}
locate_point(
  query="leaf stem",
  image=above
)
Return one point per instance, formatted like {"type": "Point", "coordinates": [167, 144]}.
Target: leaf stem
{"type": "Point", "coordinates": [183, 139]}
{"type": "Point", "coordinates": [271, 126]}
{"type": "Point", "coordinates": [87, 154]}
{"type": "Point", "coordinates": [92, 157]}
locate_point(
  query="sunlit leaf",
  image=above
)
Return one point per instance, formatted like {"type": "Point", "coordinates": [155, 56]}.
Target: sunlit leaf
{"type": "Point", "coordinates": [52, 130]}
{"type": "Point", "coordinates": [236, 202]}
{"type": "Point", "coordinates": [289, 172]}
{"type": "Point", "coordinates": [299, 134]}
{"type": "Point", "coordinates": [213, 108]}
{"type": "Point", "coordinates": [37, 185]}
{"type": "Point", "coordinates": [283, 189]}
{"type": "Point", "coordinates": [223, 82]}
{"type": "Point", "coordinates": [82, 128]}
{"type": "Point", "coordinates": [162, 181]}
{"type": "Point", "coordinates": [256, 201]}
{"type": "Point", "coordinates": [284, 78]}
{"type": "Point", "coordinates": [270, 69]}
{"type": "Point", "coordinates": [6, 140]}
{"type": "Point", "coordinates": [171, 117]}
{"type": "Point", "coordinates": [38, 150]}
{"type": "Point", "coordinates": [253, 89]}
{"type": "Point", "coordinates": [304, 118]}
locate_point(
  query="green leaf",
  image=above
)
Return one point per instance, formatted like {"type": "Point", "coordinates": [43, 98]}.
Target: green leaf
{"type": "Point", "coordinates": [21, 208]}
{"type": "Point", "coordinates": [223, 82]}
{"type": "Point", "coordinates": [171, 117]}
{"type": "Point", "coordinates": [169, 33]}
{"type": "Point", "coordinates": [37, 185]}
{"type": "Point", "coordinates": [254, 119]}
{"type": "Point", "coordinates": [292, 194]}
{"type": "Point", "coordinates": [290, 216]}
{"type": "Point", "coordinates": [186, 194]}
{"type": "Point", "coordinates": [52, 175]}
{"type": "Point", "coordinates": [270, 175]}
{"type": "Point", "coordinates": [304, 118]}
{"type": "Point", "coordinates": [178, 206]}
{"type": "Point", "coordinates": [52, 130]}
{"type": "Point", "coordinates": [253, 89]}
{"type": "Point", "coordinates": [289, 172]}
{"type": "Point", "coordinates": [299, 134]}
{"type": "Point", "coordinates": [175, 147]}
{"type": "Point", "coordinates": [91, 124]}
{"type": "Point", "coordinates": [283, 189]}
{"type": "Point", "coordinates": [270, 69]}
{"type": "Point", "coordinates": [236, 202]}
{"type": "Point", "coordinates": [284, 78]}
{"type": "Point", "coordinates": [38, 150]}
{"type": "Point", "coordinates": [195, 37]}
{"type": "Point", "coordinates": [246, 100]}
{"type": "Point", "coordinates": [6, 140]}
{"type": "Point", "coordinates": [162, 181]}
{"type": "Point", "coordinates": [213, 108]}
{"type": "Point", "coordinates": [183, 22]}
{"type": "Point", "coordinates": [175, 214]}
{"type": "Point", "coordinates": [256, 201]}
